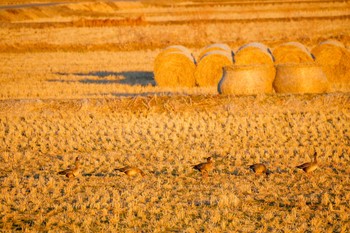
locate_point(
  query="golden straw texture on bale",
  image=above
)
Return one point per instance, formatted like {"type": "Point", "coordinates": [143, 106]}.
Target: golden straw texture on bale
{"type": "Point", "coordinates": [300, 78]}
{"type": "Point", "coordinates": [174, 69]}
{"type": "Point", "coordinates": [335, 62]}
{"type": "Point", "coordinates": [253, 53]}
{"type": "Point", "coordinates": [178, 48]}
{"type": "Point", "coordinates": [247, 80]}
{"type": "Point", "coordinates": [209, 69]}
{"type": "Point", "coordinates": [174, 48]}
{"type": "Point", "coordinates": [333, 42]}
{"type": "Point", "coordinates": [214, 47]}
{"type": "Point", "coordinates": [292, 52]}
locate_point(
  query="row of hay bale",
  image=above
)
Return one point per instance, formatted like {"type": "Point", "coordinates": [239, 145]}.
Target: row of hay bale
{"type": "Point", "coordinates": [176, 66]}
{"type": "Point", "coordinates": [255, 69]}
{"type": "Point", "coordinates": [289, 69]}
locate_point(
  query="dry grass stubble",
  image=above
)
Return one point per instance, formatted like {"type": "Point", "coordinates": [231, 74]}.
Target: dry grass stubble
{"type": "Point", "coordinates": [49, 116]}
{"type": "Point", "coordinates": [164, 136]}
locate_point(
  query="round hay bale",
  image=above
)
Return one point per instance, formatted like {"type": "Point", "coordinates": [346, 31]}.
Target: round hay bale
{"type": "Point", "coordinates": [178, 48]}
{"type": "Point", "coordinates": [174, 48]}
{"type": "Point", "coordinates": [292, 52]}
{"type": "Point", "coordinates": [209, 68]}
{"type": "Point", "coordinates": [253, 53]}
{"type": "Point", "coordinates": [335, 62]}
{"type": "Point", "coordinates": [215, 47]}
{"type": "Point", "coordinates": [175, 69]}
{"type": "Point", "coordinates": [300, 78]}
{"type": "Point", "coordinates": [333, 42]}
{"type": "Point", "coordinates": [247, 80]}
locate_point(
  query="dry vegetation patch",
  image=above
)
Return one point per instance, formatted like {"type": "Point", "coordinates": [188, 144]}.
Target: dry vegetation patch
{"type": "Point", "coordinates": [165, 136]}
{"type": "Point", "coordinates": [77, 81]}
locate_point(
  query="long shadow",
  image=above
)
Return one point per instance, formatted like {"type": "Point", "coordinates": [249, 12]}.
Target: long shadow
{"type": "Point", "coordinates": [131, 78]}
{"type": "Point", "coordinates": [142, 94]}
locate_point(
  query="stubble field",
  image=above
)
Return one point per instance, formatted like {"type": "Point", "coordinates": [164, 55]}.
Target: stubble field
{"type": "Point", "coordinates": [77, 80]}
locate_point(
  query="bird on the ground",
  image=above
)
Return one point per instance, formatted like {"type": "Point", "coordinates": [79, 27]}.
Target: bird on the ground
{"type": "Point", "coordinates": [72, 172]}
{"type": "Point", "coordinates": [130, 171]}
{"type": "Point", "coordinates": [310, 166]}
{"type": "Point", "coordinates": [259, 169]}
{"type": "Point", "coordinates": [205, 167]}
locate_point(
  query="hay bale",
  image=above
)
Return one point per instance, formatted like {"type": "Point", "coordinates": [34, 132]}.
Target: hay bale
{"type": "Point", "coordinates": [215, 47]}
{"type": "Point", "coordinates": [247, 80]}
{"type": "Point", "coordinates": [292, 52]}
{"type": "Point", "coordinates": [335, 61]}
{"type": "Point", "coordinates": [209, 68]}
{"type": "Point", "coordinates": [178, 48]}
{"type": "Point", "coordinates": [174, 69]}
{"type": "Point", "coordinates": [253, 53]}
{"type": "Point", "coordinates": [300, 78]}
{"type": "Point", "coordinates": [173, 48]}
{"type": "Point", "coordinates": [333, 42]}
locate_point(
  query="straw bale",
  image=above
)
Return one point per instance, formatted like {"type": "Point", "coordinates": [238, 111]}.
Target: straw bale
{"type": "Point", "coordinates": [247, 80]}
{"type": "Point", "coordinates": [292, 52]}
{"type": "Point", "coordinates": [253, 53]}
{"type": "Point", "coordinates": [300, 78]}
{"type": "Point", "coordinates": [335, 62]}
{"type": "Point", "coordinates": [178, 48]}
{"type": "Point", "coordinates": [333, 42]}
{"type": "Point", "coordinates": [209, 69]}
{"type": "Point", "coordinates": [258, 45]}
{"type": "Point", "coordinates": [174, 48]}
{"type": "Point", "coordinates": [175, 69]}
{"type": "Point", "coordinates": [215, 47]}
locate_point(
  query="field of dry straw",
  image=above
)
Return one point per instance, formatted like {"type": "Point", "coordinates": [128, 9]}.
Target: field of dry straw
{"type": "Point", "coordinates": [76, 79]}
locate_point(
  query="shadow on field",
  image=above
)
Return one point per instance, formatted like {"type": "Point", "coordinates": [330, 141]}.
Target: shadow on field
{"type": "Point", "coordinates": [145, 94]}
{"type": "Point", "coordinates": [132, 78]}
{"type": "Point", "coordinates": [135, 94]}
{"type": "Point", "coordinates": [99, 174]}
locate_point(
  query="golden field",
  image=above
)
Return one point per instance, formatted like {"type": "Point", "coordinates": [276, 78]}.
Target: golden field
{"type": "Point", "coordinates": [77, 80]}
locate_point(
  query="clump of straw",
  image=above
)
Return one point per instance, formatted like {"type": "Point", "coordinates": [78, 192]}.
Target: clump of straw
{"type": "Point", "coordinates": [300, 78]}
{"type": "Point", "coordinates": [335, 61]}
{"type": "Point", "coordinates": [246, 80]}
{"type": "Point", "coordinates": [209, 69]}
{"type": "Point", "coordinates": [292, 52]}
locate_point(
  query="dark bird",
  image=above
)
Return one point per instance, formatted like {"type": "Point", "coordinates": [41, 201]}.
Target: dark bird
{"type": "Point", "coordinates": [130, 171]}
{"type": "Point", "coordinates": [259, 169]}
{"type": "Point", "coordinates": [72, 172]}
{"type": "Point", "coordinates": [310, 166]}
{"type": "Point", "coordinates": [204, 168]}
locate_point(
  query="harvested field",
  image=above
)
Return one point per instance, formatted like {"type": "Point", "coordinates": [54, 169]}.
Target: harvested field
{"type": "Point", "coordinates": [77, 80]}
{"type": "Point", "coordinates": [43, 137]}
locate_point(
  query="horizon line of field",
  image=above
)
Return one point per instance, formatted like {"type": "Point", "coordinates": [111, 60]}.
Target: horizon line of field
{"type": "Point", "coordinates": [139, 21]}
{"type": "Point", "coordinates": [11, 5]}
{"type": "Point", "coordinates": [193, 3]}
